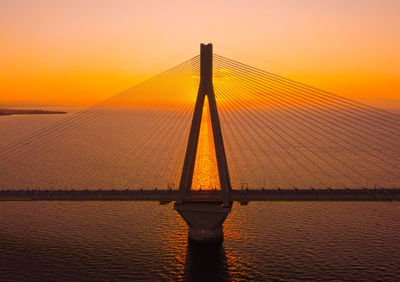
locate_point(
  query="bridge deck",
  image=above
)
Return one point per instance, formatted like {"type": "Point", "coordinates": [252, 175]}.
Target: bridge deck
{"type": "Point", "coordinates": [242, 196]}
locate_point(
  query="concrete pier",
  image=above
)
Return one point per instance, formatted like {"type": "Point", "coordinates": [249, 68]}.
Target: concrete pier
{"type": "Point", "coordinates": [204, 220]}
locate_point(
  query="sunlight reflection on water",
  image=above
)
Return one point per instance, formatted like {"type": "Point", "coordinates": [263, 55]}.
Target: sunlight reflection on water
{"type": "Point", "coordinates": [131, 240]}
{"type": "Point", "coordinates": [205, 175]}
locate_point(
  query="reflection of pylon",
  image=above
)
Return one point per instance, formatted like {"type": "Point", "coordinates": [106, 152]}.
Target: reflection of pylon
{"type": "Point", "coordinates": [205, 88]}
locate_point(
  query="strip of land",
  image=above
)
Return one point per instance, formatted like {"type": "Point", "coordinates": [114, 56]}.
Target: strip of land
{"type": "Point", "coordinates": [7, 112]}
{"type": "Point", "coordinates": [241, 196]}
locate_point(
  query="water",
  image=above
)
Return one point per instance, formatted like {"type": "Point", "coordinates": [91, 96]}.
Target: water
{"type": "Point", "coordinates": [147, 241]}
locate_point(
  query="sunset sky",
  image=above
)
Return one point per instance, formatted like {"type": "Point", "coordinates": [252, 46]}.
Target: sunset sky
{"type": "Point", "coordinates": [78, 52]}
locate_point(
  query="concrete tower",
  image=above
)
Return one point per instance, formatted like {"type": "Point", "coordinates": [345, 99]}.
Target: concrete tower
{"type": "Point", "coordinates": [204, 218]}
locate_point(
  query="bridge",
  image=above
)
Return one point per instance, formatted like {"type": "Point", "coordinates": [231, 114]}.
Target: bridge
{"type": "Point", "coordinates": [248, 135]}
{"type": "Point", "coordinates": [241, 196]}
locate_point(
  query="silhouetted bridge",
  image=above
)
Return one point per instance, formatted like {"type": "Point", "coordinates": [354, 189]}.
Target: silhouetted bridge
{"type": "Point", "coordinates": [241, 196]}
{"type": "Point", "coordinates": [277, 131]}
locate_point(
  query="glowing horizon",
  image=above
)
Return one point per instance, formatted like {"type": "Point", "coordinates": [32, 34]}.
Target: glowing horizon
{"type": "Point", "coordinates": [79, 53]}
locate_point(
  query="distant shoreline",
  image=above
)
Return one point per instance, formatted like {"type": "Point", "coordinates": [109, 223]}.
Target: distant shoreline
{"type": "Point", "coordinates": [8, 112]}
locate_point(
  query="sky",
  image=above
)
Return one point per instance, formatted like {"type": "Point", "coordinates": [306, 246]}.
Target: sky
{"type": "Point", "coordinates": [80, 52]}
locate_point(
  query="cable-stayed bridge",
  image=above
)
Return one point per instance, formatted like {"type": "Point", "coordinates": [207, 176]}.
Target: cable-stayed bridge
{"type": "Point", "coordinates": [207, 132]}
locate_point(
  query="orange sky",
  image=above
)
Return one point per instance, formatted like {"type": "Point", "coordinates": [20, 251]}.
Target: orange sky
{"type": "Point", "coordinates": [79, 51]}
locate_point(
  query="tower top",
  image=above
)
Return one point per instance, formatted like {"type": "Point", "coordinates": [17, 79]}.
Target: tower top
{"type": "Point", "coordinates": [206, 66]}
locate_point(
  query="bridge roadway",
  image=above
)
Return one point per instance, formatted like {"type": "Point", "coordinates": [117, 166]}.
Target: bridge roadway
{"type": "Point", "coordinates": [242, 196]}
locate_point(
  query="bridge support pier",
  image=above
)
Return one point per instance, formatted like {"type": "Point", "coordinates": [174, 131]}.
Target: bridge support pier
{"type": "Point", "coordinates": [204, 220]}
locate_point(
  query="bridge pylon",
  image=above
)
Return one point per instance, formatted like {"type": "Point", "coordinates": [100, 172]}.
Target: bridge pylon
{"type": "Point", "coordinates": [204, 219]}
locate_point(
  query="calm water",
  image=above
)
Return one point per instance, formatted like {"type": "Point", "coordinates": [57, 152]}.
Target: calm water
{"type": "Point", "coordinates": [147, 241]}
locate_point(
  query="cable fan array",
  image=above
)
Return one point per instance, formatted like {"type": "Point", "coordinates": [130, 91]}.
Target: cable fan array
{"type": "Point", "coordinates": [278, 133]}
{"type": "Point", "coordinates": [133, 140]}
{"type": "Point", "coordinates": [281, 133]}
